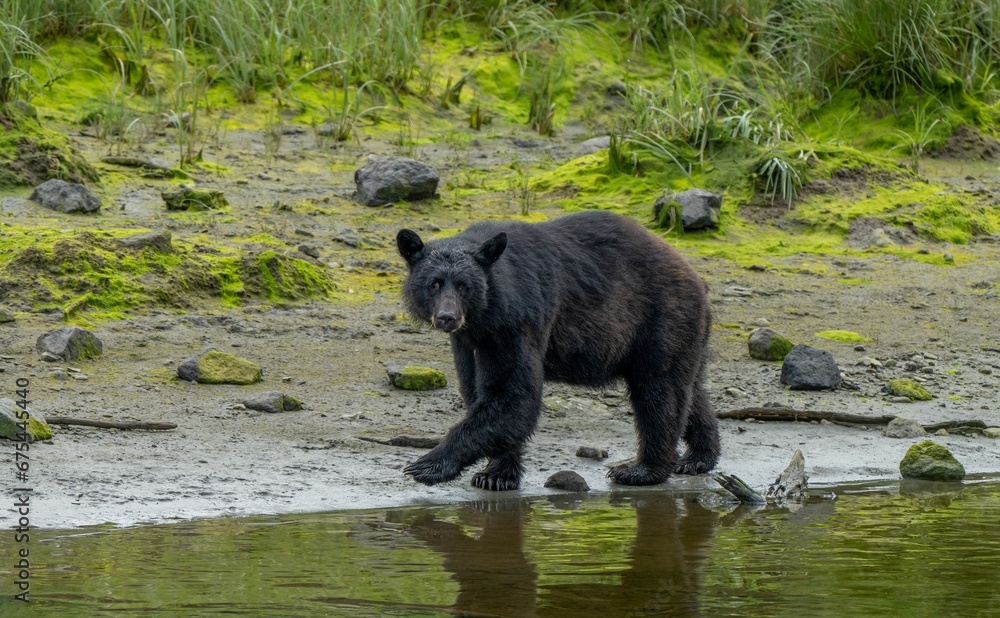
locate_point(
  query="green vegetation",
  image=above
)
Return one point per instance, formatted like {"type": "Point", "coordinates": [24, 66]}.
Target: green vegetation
{"type": "Point", "coordinates": [903, 387]}
{"type": "Point", "coordinates": [816, 113]}
{"type": "Point", "coordinates": [843, 336]}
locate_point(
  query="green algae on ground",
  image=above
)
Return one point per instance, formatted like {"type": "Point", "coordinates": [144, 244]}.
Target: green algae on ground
{"type": "Point", "coordinates": [87, 274]}
{"type": "Point", "coordinates": [10, 417]}
{"type": "Point", "coordinates": [903, 387]}
{"type": "Point", "coordinates": [843, 336]}
{"type": "Point", "coordinates": [31, 154]}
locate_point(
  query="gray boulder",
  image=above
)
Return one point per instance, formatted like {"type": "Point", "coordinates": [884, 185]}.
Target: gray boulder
{"type": "Point", "coordinates": [65, 196]}
{"type": "Point", "coordinates": [900, 427]}
{"type": "Point", "coordinates": [932, 462]}
{"type": "Point", "coordinates": [810, 369]}
{"type": "Point", "coordinates": [6, 315]}
{"type": "Point", "coordinates": [567, 480]}
{"type": "Point", "coordinates": [157, 241]}
{"type": "Point", "coordinates": [273, 402]}
{"type": "Point", "coordinates": [384, 180]}
{"type": "Point", "coordinates": [69, 344]}
{"type": "Point", "coordinates": [699, 209]}
{"type": "Point", "coordinates": [766, 344]}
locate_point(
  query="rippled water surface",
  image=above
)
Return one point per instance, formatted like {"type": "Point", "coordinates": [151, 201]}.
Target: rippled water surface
{"type": "Point", "coordinates": [896, 550]}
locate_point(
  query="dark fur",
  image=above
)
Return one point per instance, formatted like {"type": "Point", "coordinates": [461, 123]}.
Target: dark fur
{"type": "Point", "coordinates": [587, 299]}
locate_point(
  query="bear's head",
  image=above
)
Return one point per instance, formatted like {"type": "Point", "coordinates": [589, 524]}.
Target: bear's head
{"type": "Point", "coordinates": [447, 283]}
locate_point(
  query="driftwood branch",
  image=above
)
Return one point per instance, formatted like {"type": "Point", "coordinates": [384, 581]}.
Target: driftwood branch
{"type": "Point", "coordinates": [736, 486]}
{"type": "Point", "coordinates": [789, 414]}
{"type": "Point", "coordinates": [404, 440]}
{"type": "Point", "coordinates": [83, 422]}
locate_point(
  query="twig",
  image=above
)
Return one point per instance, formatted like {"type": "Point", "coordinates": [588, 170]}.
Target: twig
{"type": "Point", "coordinates": [65, 420]}
{"type": "Point", "coordinates": [789, 414]}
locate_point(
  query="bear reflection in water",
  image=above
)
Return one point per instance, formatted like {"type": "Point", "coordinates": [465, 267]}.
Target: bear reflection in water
{"type": "Point", "coordinates": [661, 575]}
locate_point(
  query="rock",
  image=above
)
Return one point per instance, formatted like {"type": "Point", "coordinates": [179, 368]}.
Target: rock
{"type": "Point", "coordinates": [766, 344]}
{"type": "Point", "coordinates": [592, 145]}
{"type": "Point", "coordinates": [65, 196]}
{"type": "Point", "coordinates": [6, 315]}
{"type": "Point", "coordinates": [69, 344]}
{"type": "Point", "coordinates": [699, 209]}
{"type": "Point", "coordinates": [384, 180]}
{"type": "Point", "coordinates": [349, 237]}
{"type": "Point", "coordinates": [187, 198]}
{"type": "Point", "coordinates": [931, 461]}
{"type": "Point", "coordinates": [157, 241]}
{"type": "Point", "coordinates": [809, 368]}
{"type": "Point", "coordinates": [273, 402]}
{"type": "Point", "coordinates": [415, 378]}
{"type": "Point", "coordinates": [900, 427]}
{"type": "Point", "coordinates": [900, 400]}
{"type": "Point", "coordinates": [992, 432]}
{"type": "Point", "coordinates": [568, 481]}
{"type": "Point", "coordinates": [903, 387]}
{"type": "Point", "coordinates": [309, 250]}
{"type": "Point", "coordinates": [941, 432]}
{"type": "Point", "coordinates": [38, 429]}
{"type": "Point", "coordinates": [589, 452]}
{"type": "Point", "coordinates": [212, 366]}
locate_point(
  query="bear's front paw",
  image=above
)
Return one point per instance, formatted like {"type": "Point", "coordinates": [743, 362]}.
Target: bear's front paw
{"type": "Point", "coordinates": [494, 482]}
{"type": "Point", "coordinates": [638, 474]}
{"type": "Point", "coordinates": [431, 470]}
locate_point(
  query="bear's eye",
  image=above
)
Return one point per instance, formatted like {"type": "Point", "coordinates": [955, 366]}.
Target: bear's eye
{"type": "Point", "coordinates": [462, 288]}
{"type": "Point", "coordinates": [435, 286]}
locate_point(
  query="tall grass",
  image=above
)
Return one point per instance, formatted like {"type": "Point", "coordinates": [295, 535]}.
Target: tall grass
{"type": "Point", "coordinates": [17, 52]}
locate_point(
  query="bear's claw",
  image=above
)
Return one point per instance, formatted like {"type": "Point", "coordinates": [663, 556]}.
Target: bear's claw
{"type": "Point", "coordinates": [638, 474]}
{"type": "Point", "coordinates": [693, 465]}
{"type": "Point", "coordinates": [431, 471]}
{"type": "Point", "coordinates": [489, 482]}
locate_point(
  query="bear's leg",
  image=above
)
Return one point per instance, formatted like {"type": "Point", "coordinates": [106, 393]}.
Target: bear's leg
{"type": "Point", "coordinates": [660, 401]}
{"type": "Point", "coordinates": [498, 423]}
{"type": "Point", "coordinates": [502, 473]}
{"type": "Point", "coordinates": [465, 367]}
{"type": "Point", "coordinates": [701, 435]}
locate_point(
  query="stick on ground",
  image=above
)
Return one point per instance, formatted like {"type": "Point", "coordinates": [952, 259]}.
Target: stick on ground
{"type": "Point", "coordinates": [83, 422]}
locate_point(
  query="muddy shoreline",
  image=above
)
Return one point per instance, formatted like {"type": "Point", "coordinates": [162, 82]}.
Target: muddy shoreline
{"type": "Point", "coordinates": [226, 460]}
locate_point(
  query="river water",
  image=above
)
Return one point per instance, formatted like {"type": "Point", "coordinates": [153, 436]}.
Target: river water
{"type": "Point", "coordinates": [886, 549]}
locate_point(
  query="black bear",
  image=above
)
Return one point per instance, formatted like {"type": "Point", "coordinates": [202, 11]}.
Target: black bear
{"type": "Point", "coordinates": [588, 298]}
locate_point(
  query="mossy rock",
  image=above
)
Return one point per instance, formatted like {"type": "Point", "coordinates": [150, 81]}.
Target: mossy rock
{"type": "Point", "coordinates": [31, 154]}
{"type": "Point", "coordinates": [187, 198]}
{"type": "Point", "coordinates": [415, 378]}
{"type": "Point", "coordinates": [766, 344]}
{"type": "Point", "coordinates": [38, 429]}
{"type": "Point", "coordinates": [903, 387]}
{"type": "Point", "coordinates": [216, 367]}
{"type": "Point", "coordinates": [70, 344]}
{"type": "Point", "coordinates": [932, 462]}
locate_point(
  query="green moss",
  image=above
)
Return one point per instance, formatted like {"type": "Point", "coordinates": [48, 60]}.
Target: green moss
{"type": "Point", "coordinates": [903, 387]}
{"type": "Point", "coordinates": [187, 198]}
{"type": "Point", "coordinates": [931, 461]}
{"type": "Point", "coordinates": [31, 154]}
{"type": "Point", "coordinates": [414, 378]}
{"type": "Point", "coordinates": [843, 336]}
{"type": "Point", "coordinates": [215, 367]}
{"type": "Point", "coordinates": [39, 429]}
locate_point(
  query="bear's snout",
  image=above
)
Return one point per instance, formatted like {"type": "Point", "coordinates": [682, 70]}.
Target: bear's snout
{"type": "Point", "coordinates": [446, 321]}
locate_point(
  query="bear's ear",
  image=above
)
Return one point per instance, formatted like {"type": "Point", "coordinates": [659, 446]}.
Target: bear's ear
{"type": "Point", "coordinates": [491, 249]}
{"type": "Point", "coordinates": [410, 246]}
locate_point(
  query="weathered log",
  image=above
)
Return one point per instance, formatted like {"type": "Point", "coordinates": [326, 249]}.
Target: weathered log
{"type": "Point", "coordinates": [789, 414]}
{"type": "Point", "coordinates": [409, 441]}
{"type": "Point", "coordinates": [790, 484]}
{"type": "Point", "coordinates": [83, 422]}
{"type": "Point", "coordinates": [735, 485]}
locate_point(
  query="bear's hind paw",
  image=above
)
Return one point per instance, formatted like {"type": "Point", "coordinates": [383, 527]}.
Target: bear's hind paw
{"type": "Point", "coordinates": [693, 465]}
{"type": "Point", "coordinates": [638, 474]}
{"type": "Point", "coordinates": [482, 480]}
